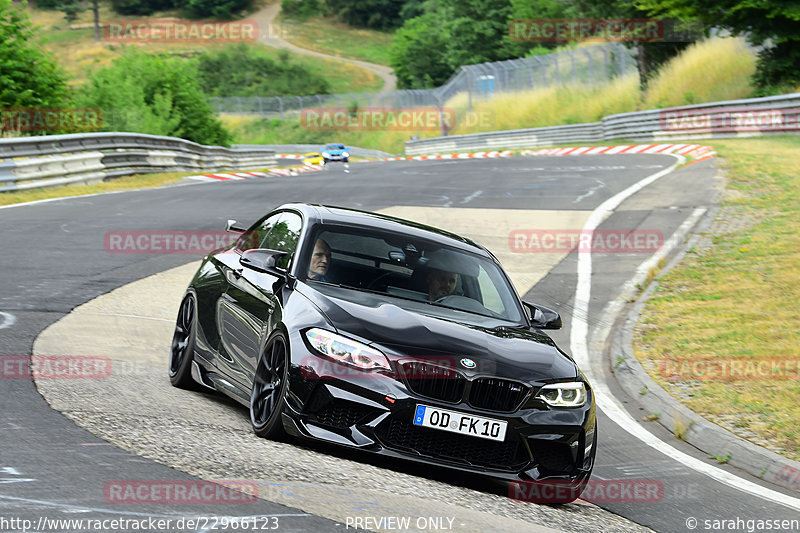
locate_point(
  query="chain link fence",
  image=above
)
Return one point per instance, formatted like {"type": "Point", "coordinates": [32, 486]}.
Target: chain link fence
{"type": "Point", "coordinates": [588, 66]}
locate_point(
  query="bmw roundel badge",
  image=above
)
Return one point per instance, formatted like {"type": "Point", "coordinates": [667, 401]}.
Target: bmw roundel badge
{"type": "Point", "coordinates": [468, 363]}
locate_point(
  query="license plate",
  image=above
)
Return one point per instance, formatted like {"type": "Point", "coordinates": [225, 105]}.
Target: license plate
{"type": "Point", "coordinates": [455, 422]}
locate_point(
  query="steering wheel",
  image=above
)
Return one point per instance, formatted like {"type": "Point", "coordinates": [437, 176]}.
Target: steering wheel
{"type": "Point", "coordinates": [372, 284]}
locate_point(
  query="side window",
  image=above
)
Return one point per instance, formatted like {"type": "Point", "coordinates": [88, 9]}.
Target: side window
{"type": "Point", "coordinates": [491, 298]}
{"type": "Point", "coordinates": [253, 238]}
{"type": "Point", "coordinates": [284, 236]}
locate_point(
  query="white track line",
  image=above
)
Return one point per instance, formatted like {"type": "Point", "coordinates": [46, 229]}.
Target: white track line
{"type": "Point", "coordinates": [605, 400]}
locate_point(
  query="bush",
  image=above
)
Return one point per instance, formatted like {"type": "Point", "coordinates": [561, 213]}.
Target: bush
{"type": "Point", "coordinates": [244, 70]}
{"type": "Point", "coordinates": [301, 9]}
{"type": "Point", "coordinates": [147, 93]}
{"type": "Point", "coordinates": [140, 7]}
{"type": "Point", "coordinates": [218, 9]}
{"type": "Point", "coordinates": [28, 76]}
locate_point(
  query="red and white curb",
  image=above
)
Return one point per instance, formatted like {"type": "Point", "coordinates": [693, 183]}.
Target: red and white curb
{"type": "Point", "coordinates": [462, 155]}
{"type": "Point", "coordinates": [698, 152]}
{"type": "Point", "coordinates": [228, 176]}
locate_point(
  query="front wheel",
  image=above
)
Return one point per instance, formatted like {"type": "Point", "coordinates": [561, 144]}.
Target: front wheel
{"type": "Point", "coordinates": [182, 350]}
{"type": "Point", "coordinates": [268, 396]}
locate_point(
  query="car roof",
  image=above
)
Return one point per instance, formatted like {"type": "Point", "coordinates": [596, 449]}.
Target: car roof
{"type": "Point", "coordinates": [324, 214]}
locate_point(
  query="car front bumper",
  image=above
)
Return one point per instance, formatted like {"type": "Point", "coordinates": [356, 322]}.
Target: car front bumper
{"type": "Point", "coordinates": [374, 412]}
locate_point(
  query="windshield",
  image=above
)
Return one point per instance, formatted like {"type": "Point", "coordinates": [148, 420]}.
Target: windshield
{"type": "Point", "coordinates": [412, 270]}
{"type": "Point", "coordinates": [335, 147]}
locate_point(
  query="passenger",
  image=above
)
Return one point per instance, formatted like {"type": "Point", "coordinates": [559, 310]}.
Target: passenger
{"type": "Point", "coordinates": [320, 261]}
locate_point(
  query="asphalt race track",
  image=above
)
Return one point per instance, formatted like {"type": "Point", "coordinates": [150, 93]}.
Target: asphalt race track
{"type": "Point", "coordinates": [56, 259]}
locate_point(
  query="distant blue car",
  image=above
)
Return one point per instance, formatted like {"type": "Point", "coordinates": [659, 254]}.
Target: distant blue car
{"type": "Point", "coordinates": [335, 152]}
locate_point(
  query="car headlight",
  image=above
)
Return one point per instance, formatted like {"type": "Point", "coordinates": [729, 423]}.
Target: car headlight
{"type": "Point", "coordinates": [572, 394]}
{"type": "Point", "coordinates": [345, 154]}
{"type": "Point", "coordinates": [326, 154]}
{"type": "Point", "coordinates": [347, 351]}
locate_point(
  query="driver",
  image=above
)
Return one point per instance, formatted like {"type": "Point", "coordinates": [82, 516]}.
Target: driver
{"type": "Point", "coordinates": [441, 283]}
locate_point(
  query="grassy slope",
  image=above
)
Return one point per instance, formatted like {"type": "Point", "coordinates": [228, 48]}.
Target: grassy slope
{"type": "Point", "coordinates": [78, 53]}
{"type": "Point", "coordinates": [739, 299]}
{"type": "Point", "coordinates": [336, 38]}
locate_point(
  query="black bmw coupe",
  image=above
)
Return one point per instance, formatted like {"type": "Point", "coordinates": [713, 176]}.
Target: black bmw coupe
{"type": "Point", "coordinates": [386, 335]}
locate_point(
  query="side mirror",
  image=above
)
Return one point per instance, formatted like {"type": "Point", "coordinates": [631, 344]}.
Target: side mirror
{"type": "Point", "coordinates": [543, 317]}
{"type": "Point", "coordinates": [231, 226]}
{"type": "Point", "coordinates": [262, 260]}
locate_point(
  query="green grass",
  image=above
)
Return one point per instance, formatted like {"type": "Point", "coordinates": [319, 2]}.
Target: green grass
{"type": "Point", "coordinates": [740, 298]}
{"type": "Point", "coordinates": [138, 181]}
{"type": "Point", "coordinates": [338, 39]}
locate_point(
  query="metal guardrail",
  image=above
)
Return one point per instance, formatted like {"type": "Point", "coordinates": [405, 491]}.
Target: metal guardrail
{"type": "Point", "coordinates": [733, 118]}
{"type": "Point", "coordinates": [46, 161]}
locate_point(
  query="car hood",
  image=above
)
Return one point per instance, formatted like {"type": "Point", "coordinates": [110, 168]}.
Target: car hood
{"type": "Point", "coordinates": [509, 352]}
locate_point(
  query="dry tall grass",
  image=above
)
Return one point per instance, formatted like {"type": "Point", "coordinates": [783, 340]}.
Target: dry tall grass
{"type": "Point", "coordinates": [708, 71]}
{"type": "Point", "coordinates": [548, 106]}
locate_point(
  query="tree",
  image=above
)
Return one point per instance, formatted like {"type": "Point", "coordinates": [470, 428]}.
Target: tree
{"type": "Point", "coordinates": [222, 9]}
{"type": "Point", "coordinates": [146, 93]}
{"type": "Point", "coordinates": [142, 7]}
{"type": "Point", "coordinates": [477, 31]}
{"type": "Point", "coordinates": [431, 47]}
{"type": "Point", "coordinates": [774, 24]}
{"type": "Point", "coordinates": [73, 8]}
{"type": "Point", "coordinates": [28, 76]}
{"type": "Point", "coordinates": [375, 14]}
{"type": "Point", "coordinates": [418, 53]}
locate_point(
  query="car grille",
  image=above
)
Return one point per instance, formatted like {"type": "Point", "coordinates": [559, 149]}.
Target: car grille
{"type": "Point", "coordinates": [448, 385]}
{"type": "Point", "coordinates": [434, 381]}
{"type": "Point", "coordinates": [497, 394]}
{"type": "Point", "coordinates": [402, 435]}
{"type": "Point", "coordinates": [341, 414]}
